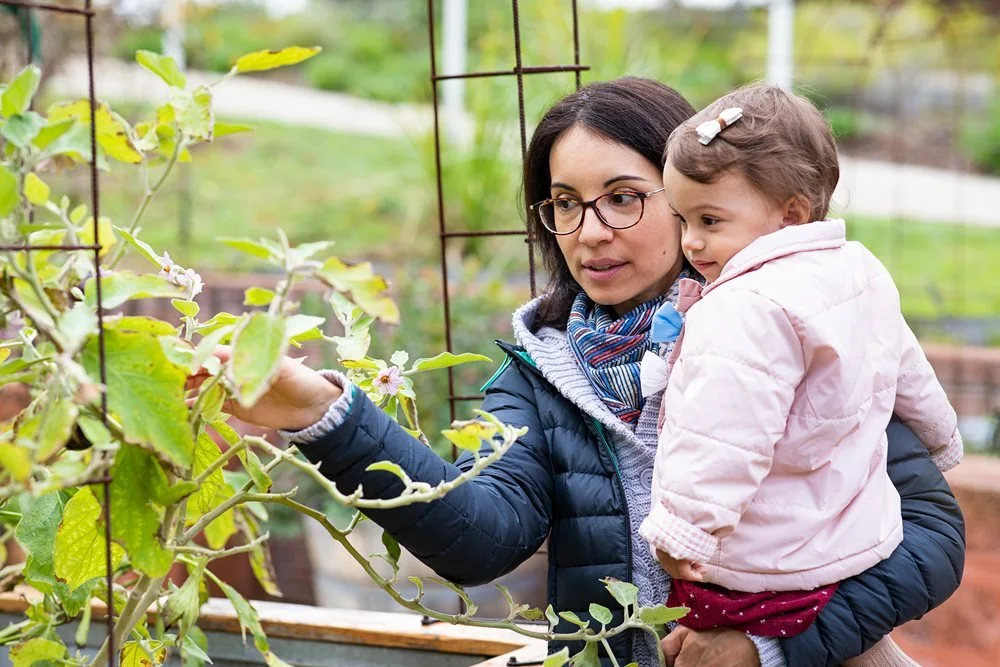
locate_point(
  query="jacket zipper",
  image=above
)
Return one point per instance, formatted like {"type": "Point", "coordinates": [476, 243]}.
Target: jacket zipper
{"type": "Point", "coordinates": [602, 434]}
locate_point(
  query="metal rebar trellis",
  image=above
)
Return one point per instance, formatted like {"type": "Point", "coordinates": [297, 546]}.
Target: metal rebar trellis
{"type": "Point", "coordinates": [87, 13]}
{"type": "Point", "coordinates": [519, 71]}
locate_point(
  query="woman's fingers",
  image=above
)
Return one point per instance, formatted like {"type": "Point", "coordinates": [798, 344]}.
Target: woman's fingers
{"type": "Point", "coordinates": [673, 642]}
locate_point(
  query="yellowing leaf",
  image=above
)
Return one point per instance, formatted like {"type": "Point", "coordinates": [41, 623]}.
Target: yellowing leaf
{"type": "Point", "coordinates": [16, 461]}
{"type": "Point", "coordinates": [50, 429]}
{"type": "Point", "coordinates": [445, 360]}
{"type": "Point", "coordinates": [259, 345]}
{"type": "Point", "coordinates": [133, 655]}
{"type": "Point", "coordinates": [258, 296]}
{"type": "Point", "coordinates": [193, 109]}
{"type": "Point", "coordinates": [105, 231]}
{"type": "Point", "coordinates": [145, 392]}
{"type": "Point", "coordinates": [260, 61]}
{"type": "Point", "coordinates": [136, 524]}
{"type": "Point", "coordinates": [35, 189]}
{"type": "Point", "coordinates": [80, 550]}
{"type": "Point", "coordinates": [212, 493]}
{"type": "Point", "coordinates": [225, 129]}
{"type": "Point", "coordinates": [113, 133]}
{"type": "Point", "coordinates": [9, 198]}
{"type": "Point", "coordinates": [35, 650]}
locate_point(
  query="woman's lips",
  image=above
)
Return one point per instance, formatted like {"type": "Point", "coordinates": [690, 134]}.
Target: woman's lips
{"type": "Point", "coordinates": [602, 271]}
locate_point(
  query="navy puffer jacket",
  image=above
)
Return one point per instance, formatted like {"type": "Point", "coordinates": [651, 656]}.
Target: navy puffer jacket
{"type": "Point", "coordinates": [561, 478]}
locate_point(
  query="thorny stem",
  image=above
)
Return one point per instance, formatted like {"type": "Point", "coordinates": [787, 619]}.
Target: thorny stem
{"type": "Point", "coordinates": [454, 619]}
{"type": "Point", "coordinates": [220, 461]}
{"type": "Point", "coordinates": [414, 492]}
{"type": "Point", "coordinates": [213, 554]}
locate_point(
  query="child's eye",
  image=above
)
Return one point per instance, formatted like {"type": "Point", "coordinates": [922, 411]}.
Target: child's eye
{"type": "Point", "coordinates": [708, 221]}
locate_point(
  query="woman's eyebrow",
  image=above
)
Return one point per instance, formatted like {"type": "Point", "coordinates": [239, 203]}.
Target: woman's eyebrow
{"type": "Point", "coordinates": [562, 186]}
{"type": "Point", "coordinates": [623, 177]}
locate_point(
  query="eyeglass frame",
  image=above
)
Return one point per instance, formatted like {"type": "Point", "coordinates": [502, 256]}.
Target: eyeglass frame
{"type": "Point", "coordinates": [593, 205]}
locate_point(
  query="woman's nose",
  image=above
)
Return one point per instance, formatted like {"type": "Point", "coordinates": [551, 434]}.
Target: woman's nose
{"type": "Point", "coordinates": [593, 231]}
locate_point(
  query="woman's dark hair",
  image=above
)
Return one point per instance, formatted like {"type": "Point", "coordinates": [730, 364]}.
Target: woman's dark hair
{"type": "Point", "coordinates": [637, 113]}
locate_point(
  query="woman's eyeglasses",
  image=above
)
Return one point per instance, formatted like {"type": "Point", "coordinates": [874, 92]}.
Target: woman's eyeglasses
{"type": "Point", "coordinates": [618, 210]}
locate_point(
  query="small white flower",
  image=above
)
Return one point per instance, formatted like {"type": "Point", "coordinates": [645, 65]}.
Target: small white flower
{"type": "Point", "coordinates": [178, 275]}
{"type": "Point", "coordinates": [388, 381]}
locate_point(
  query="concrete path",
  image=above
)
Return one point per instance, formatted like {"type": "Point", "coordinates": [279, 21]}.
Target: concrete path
{"type": "Point", "coordinates": [867, 187]}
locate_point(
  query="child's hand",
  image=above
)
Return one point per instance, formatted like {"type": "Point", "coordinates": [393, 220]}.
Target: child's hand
{"type": "Point", "coordinates": [680, 569]}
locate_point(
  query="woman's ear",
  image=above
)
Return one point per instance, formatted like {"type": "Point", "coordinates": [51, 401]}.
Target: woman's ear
{"type": "Point", "coordinates": [796, 211]}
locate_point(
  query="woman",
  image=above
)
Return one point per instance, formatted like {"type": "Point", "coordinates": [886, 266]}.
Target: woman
{"type": "Point", "coordinates": [583, 471]}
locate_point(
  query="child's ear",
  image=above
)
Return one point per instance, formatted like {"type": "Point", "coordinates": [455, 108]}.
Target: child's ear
{"type": "Point", "coordinates": [796, 211]}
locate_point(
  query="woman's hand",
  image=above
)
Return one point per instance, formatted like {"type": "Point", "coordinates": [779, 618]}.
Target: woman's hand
{"type": "Point", "coordinates": [680, 569]}
{"type": "Point", "coordinates": [298, 398]}
{"type": "Point", "coordinates": [721, 647]}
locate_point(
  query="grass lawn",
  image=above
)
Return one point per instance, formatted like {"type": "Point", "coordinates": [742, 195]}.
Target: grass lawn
{"type": "Point", "coordinates": [376, 198]}
{"type": "Point", "coordinates": [940, 269]}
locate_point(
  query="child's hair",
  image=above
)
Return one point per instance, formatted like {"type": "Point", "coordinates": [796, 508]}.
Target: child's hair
{"type": "Point", "coordinates": [782, 145]}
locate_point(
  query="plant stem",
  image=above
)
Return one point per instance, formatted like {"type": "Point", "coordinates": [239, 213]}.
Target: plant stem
{"type": "Point", "coordinates": [212, 554]}
{"type": "Point", "coordinates": [607, 649]}
{"type": "Point", "coordinates": [147, 198]}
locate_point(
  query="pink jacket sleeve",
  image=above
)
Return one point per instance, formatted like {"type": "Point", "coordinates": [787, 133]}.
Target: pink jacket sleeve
{"type": "Point", "coordinates": [922, 404]}
{"type": "Point", "coordinates": [730, 394]}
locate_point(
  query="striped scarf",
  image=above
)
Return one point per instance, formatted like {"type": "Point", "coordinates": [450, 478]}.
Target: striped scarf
{"type": "Point", "coordinates": [609, 349]}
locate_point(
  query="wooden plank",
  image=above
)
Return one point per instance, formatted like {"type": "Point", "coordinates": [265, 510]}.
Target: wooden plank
{"type": "Point", "coordinates": [533, 653]}
{"type": "Point", "coordinates": [347, 626]}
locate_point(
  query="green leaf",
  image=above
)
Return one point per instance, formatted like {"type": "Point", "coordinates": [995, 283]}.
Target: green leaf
{"type": "Point", "coordinates": [80, 550]}
{"type": "Point", "coordinates": [258, 296]}
{"type": "Point", "coordinates": [574, 619]}
{"type": "Point", "coordinates": [35, 189]}
{"type": "Point", "coordinates": [247, 615]}
{"type": "Point", "coordinates": [162, 66]}
{"type": "Point", "coordinates": [186, 308]}
{"type": "Point", "coordinates": [51, 428]}
{"type": "Point", "coordinates": [23, 128]}
{"type": "Point", "coordinates": [191, 649]}
{"type": "Point", "coordinates": [9, 197]}
{"type": "Point", "coordinates": [144, 249]}
{"type": "Point", "coordinates": [661, 614]}
{"type": "Point", "coordinates": [557, 659]}
{"type": "Point", "coordinates": [625, 593]}
{"type": "Point", "coordinates": [184, 603]}
{"type": "Point", "coordinates": [36, 532]}
{"type": "Point", "coordinates": [225, 129]}
{"type": "Point", "coordinates": [52, 131]}
{"type": "Point", "coordinates": [259, 61]}
{"type": "Point", "coordinates": [251, 463]}
{"type": "Point", "coordinates": [18, 95]}
{"type": "Point", "coordinates": [77, 325]}
{"type": "Point", "coordinates": [600, 613]}
{"type": "Point", "coordinates": [445, 360]}
{"type": "Point", "coordinates": [302, 328]}
{"type": "Point", "coordinates": [551, 617]}
{"type": "Point", "coordinates": [213, 492]}
{"type": "Point", "coordinates": [259, 345]}
{"type": "Point", "coordinates": [122, 286]}
{"type": "Point", "coordinates": [420, 587]}
{"type": "Point", "coordinates": [249, 246]}
{"type": "Point", "coordinates": [136, 524]}
{"type": "Point", "coordinates": [193, 110]}
{"type": "Point", "coordinates": [470, 606]}
{"type": "Point", "coordinates": [389, 466]}
{"type": "Point", "coordinates": [263, 569]}
{"type": "Point", "coordinates": [218, 321]}
{"type": "Point", "coordinates": [588, 657]}
{"type": "Point", "coordinates": [146, 393]}
{"type": "Point", "coordinates": [392, 549]}
{"type": "Point", "coordinates": [35, 650]}
{"type": "Point", "coordinates": [140, 324]}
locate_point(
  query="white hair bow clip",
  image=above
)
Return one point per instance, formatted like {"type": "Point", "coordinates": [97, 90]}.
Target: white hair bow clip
{"type": "Point", "coordinates": [711, 128]}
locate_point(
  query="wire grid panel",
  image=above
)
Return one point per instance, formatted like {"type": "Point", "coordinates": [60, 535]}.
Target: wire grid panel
{"type": "Point", "coordinates": [519, 71]}
{"type": "Point", "coordinates": [86, 12]}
